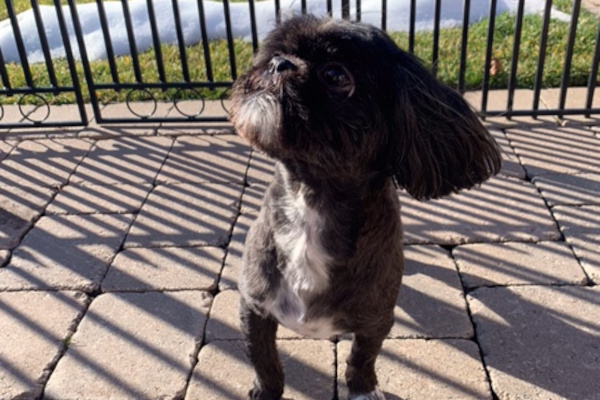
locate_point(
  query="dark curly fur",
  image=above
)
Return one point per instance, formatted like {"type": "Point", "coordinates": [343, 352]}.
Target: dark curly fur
{"type": "Point", "coordinates": [347, 115]}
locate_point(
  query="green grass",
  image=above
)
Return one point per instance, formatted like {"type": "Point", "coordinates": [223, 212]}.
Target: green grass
{"type": "Point", "coordinates": [447, 66]}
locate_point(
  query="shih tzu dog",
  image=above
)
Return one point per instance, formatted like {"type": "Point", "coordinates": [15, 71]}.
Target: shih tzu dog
{"type": "Point", "coordinates": [349, 117]}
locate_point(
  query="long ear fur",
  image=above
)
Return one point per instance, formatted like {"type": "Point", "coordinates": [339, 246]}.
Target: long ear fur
{"type": "Point", "coordinates": [440, 146]}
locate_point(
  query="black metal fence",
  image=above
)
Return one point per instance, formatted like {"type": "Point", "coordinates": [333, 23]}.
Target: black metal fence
{"type": "Point", "coordinates": [173, 83]}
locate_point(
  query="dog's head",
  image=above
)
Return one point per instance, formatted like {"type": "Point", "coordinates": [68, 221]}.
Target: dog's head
{"type": "Point", "coordinates": [342, 100]}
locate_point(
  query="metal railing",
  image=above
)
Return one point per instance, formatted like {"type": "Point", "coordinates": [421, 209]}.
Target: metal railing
{"type": "Point", "coordinates": [145, 92]}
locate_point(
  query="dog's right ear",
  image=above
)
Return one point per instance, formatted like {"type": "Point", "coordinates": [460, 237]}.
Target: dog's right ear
{"type": "Point", "coordinates": [439, 145]}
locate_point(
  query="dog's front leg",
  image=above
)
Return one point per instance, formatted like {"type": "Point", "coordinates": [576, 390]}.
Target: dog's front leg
{"type": "Point", "coordinates": [360, 372]}
{"type": "Point", "coordinates": [261, 349]}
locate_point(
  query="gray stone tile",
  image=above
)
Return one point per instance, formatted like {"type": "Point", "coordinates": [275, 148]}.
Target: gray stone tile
{"type": "Point", "coordinates": [539, 342]}
{"type": "Point", "coordinates": [4, 256]}
{"type": "Point", "coordinates": [581, 227]}
{"type": "Point", "coordinates": [564, 150]}
{"type": "Point", "coordinates": [164, 268]}
{"type": "Point", "coordinates": [20, 207]}
{"type": "Point", "coordinates": [45, 162]}
{"type": "Point", "coordinates": [132, 345]}
{"type": "Point", "coordinates": [222, 158]}
{"type": "Point", "coordinates": [93, 198]}
{"type": "Point", "coordinates": [223, 371]}
{"type": "Point", "coordinates": [576, 98]}
{"type": "Point", "coordinates": [5, 149]}
{"type": "Point", "coordinates": [492, 264]}
{"type": "Point", "coordinates": [431, 303]}
{"type": "Point", "coordinates": [424, 369]}
{"type": "Point", "coordinates": [497, 101]}
{"type": "Point", "coordinates": [34, 327]}
{"type": "Point", "coordinates": [65, 252]}
{"type": "Point", "coordinates": [253, 198]}
{"type": "Point", "coordinates": [510, 161]}
{"type": "Point", "coordinates": [235, 251]}
{"type": "Point", "coordinates": [567, 189]}
{"type": "Point", "coordinates": [261, 168]}
{"type": "Point", "coordinates": [502, 209]}
{"type": "Point", "coordinates": [123, 160]}
{"type": "Point", "coordinates": [186, 215]}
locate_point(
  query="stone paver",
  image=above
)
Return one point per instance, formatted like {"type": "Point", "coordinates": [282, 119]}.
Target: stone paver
{"type": "Point", "coordinates": [261, 168]}
{"type": "Point", "coordinates": [566, 189]}
{"type": "Point", "coordinates": [132, 345]}
{"type": "Point", "coordinates": [186, 215]}
{"type": "Point", "coordinates": [94, 198]}
{"type": "Point", "coordinates": [223, 371]}
{"type": "Point", "coordinates": [65, 252]}
{"type": "Point", "coordinates": [19, 208]}
{"type": "Point", "coordinates": [45, 162]}
{"type": "Point", "coordinates": [34, 327]}
{"type": "Point", "coordinates": [4, 255]}
{"type": "Point", "coordinates": [510, 161]}
{"type": "Point", "coordinates": [581, 227]}
{"type": "Point", "coordinates": [222, 158]}
{"type": "Point", "coordinates": [431, 303]}
{"type": "Point", "coordinates": [502, 209]}
{"type": "Point", "coordinates": [235, 251]}
{"type": "Point", "coordinates": [545, 150]}
{"type": "Point", "coordinates": [424, 369]}
{"type": "Point", "coordinates": [123, 160]}
{"type": "Point", "coordinates": [491, 264]}
{"type": "Point", "coordinates": [540, 342]}
{"type": "Point", "coordinates": [5, 149]}
{"type": "Point", "coordinates": [164, 268]}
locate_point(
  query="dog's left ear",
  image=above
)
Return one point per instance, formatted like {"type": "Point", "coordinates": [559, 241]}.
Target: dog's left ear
{"type": "Point", "coordinates": [439, 145]}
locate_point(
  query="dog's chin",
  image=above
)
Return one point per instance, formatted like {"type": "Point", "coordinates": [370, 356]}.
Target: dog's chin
{"type": "Point", "coordinates": [257, 118]}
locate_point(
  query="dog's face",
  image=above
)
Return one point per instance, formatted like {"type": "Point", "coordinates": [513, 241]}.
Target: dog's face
{"type": "Point", "coordinates": [344, 101]}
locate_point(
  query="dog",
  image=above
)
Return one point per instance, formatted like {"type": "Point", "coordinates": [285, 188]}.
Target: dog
{"type": "Point", "coordinates": [349, 117]}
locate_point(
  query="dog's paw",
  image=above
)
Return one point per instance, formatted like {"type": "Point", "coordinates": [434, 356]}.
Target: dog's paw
{"type": "Point", "coordinates": [374, 395]}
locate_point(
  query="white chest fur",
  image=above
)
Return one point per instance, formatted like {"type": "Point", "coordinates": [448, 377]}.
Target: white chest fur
{"type": "Point", "coordinates": [306, 273]}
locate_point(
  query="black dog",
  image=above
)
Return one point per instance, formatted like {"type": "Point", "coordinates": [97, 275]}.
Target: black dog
{"type": "Point", "coordinates": [348, 115]}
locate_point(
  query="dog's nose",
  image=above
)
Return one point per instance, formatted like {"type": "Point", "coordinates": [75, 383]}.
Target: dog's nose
{"type": "Point", "coordinates": [280, 64]}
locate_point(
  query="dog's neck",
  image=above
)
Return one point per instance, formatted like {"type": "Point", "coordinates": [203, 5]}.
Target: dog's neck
{"type": "Point", "coordinates": [333, 209]}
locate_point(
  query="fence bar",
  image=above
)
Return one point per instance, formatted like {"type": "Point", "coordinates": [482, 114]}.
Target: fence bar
{"type": "Point", "coordinates": [253, 27]}
{"type": "Point", "coordinates": [64, 33]}
{"type": "Point", "coordinates": [132, 45]}
{"type": "Point", "coordinates": [278, 10]}
{"type": "Point", "coordinates": [539, 74]}
{"type": "Point", "coordinates": [44, 42]}
{"type": "Point", "coordinates": [358, 10]}
{"type": "Point", "coordinates": [346, 9]}
{"type": "Point", "coordinates": [411, 26]}
{"type": "Point", "coordinates": [564, 82]}
{"type": "Point", "coordinates": [303, 6]}
{"type": "Point", "coordinates": [180, 41]}
{"type": "Point", "coordinates": [592, 80]}
{"type": "Point", "coordinates": [463, 45]}
{"type": "Point", "coordinates": [87, 71]}
{"type": "Point", "coordinates": [205, 46]}
{"type": "Point", "coordinates": [4, 74]}
{"type": "Point", "coordinates": [156, 40]}
{"type": "Point", "coordinates": [230, 46]}
{"type": "Point", "coordinates": [110, 54]}
{"type": "Point", "coordinates": [436, 36]}
{"type": "Point", "coordinates": [384, 14]}
{"type": "Point", "coordinates": [514, 64]}
{"type": "Point", "coordinates": [19, 41]}
{"type": "Point", "coordinates": [488, 56]}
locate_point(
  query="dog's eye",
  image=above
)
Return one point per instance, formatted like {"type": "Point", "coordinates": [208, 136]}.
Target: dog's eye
{"type": "Point", "coordinates": [338, 78]}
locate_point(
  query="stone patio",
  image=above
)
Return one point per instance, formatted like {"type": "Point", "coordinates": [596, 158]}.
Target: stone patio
{"type": "Point", "coordinates": [120, 248]}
